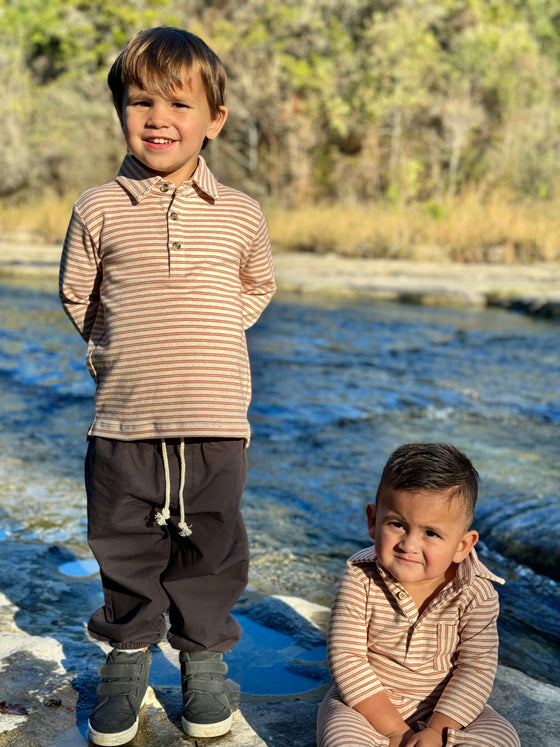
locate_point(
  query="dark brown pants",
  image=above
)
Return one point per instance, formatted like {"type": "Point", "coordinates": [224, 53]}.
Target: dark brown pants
{"type": "Point", "coordinates": [148, 569]}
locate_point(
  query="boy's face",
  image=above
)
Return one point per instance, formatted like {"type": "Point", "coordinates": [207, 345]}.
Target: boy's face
{"type": "Point", "coordinates": [166, 133]}
{"type": "Point", "coordinates": [419, 536]}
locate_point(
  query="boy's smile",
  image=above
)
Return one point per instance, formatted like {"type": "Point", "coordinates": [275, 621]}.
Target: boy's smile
{"type": "Point", "coordinates": [166, 132]}
{"type": "Point", "coordinates": [420, 537]}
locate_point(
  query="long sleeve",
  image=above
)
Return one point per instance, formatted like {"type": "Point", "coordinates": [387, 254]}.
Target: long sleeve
{"type": "Point", "coordinates": [80, 276]}
{"type": "Point", "coordinates": [350, 668]}
{"type": "Point", "coordinates": [257, 277]}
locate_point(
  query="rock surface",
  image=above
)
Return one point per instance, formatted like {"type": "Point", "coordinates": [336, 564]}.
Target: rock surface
{"type": "Point", "coordinates": [534, 289]}
{"type": "Point", "coordinates": [278, 671]}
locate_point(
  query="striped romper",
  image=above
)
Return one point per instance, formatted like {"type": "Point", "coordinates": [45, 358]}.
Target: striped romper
{"type": "Point", "coordinates": [444, 659]}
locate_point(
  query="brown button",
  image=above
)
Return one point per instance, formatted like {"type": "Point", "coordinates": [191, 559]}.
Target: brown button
{"type": "Point", "coordinates": [176, 245]}
{"type": "Point", "coordinates": [174, 216]}
{"type": "Point", "coordinates": [164, 188]}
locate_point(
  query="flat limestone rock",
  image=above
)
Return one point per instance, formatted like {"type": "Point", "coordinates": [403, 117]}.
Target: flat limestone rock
{"type": "Point", "coordinates": [532, 289]}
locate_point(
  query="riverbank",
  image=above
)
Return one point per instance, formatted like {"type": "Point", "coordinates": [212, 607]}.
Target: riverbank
{"type": "Point", "coordinates": [533, 289]}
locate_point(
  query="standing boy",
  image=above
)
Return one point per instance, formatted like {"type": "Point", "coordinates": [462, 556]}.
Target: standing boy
{"type": "Point", "coordinates": [412, 645]}
{"type": "Point", "coordinates": [162, 272]}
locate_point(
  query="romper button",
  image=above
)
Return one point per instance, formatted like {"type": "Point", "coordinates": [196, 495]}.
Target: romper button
{"type": "Point", "coordinates": [176, 245]}
{"type": "Point", "coordinates": [174, 216]}
{"type": "Point", "coordinates": [164, 188]}
{"type": "Point", "coordinates": [401, 594]}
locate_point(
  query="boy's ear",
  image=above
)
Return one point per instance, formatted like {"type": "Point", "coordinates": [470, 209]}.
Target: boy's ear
{"type": "Point", "coordinates": [370, 512]}
{"type": "Point", "coordinates": [217, 123]}
{"type": "Point", "coordinates": [466, 544]}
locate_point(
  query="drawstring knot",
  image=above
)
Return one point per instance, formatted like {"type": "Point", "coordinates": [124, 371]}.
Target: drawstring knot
{"type": "Point", "coordinates": [163, 515]}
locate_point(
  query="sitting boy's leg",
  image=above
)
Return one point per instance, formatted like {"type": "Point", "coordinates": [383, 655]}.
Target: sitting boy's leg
{"type": "Point", "coordinates": [490, 729]}
{"type": "Point", "coordinates": [338, 725]}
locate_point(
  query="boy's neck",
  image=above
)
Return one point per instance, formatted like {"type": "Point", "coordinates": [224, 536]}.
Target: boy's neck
{"type": "Point", "coordinates": [423, 592]}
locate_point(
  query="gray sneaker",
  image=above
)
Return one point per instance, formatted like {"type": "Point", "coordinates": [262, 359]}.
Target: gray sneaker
{"type": "Point", "coordinates": [124, 682]}
{"type": "Point", "coordinates": [206, 710]}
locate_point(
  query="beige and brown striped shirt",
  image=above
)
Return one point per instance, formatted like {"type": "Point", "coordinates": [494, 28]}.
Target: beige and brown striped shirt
{"type": "Point", "coordinates": [446, 656]}
{"type": "Point", "coordinates": [162, 283]}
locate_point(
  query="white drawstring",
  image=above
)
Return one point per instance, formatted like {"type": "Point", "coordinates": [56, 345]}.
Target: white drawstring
{"type": "Point", "coordinates": [183, 526]}
{"type": "Point", "coordinates": [163, 515]}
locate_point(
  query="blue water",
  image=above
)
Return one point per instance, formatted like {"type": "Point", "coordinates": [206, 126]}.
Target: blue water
{"type": "Point", "coordinates": [338, 384]}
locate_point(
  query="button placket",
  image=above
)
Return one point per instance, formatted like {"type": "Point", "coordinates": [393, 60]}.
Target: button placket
{"type": "Point", "coordinates": [177, 257]}
{"type": "Point", "coordinates": [405, 602]}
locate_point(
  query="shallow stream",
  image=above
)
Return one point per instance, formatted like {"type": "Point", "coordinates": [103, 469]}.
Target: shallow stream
{"type": "Point", "coordinates": [338, 384]}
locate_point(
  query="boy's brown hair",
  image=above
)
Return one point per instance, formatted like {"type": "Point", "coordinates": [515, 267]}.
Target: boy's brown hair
{"type": "Point", "coordinates": [158, 59]}
{"type": "Point", "coordinates": [432, 466]}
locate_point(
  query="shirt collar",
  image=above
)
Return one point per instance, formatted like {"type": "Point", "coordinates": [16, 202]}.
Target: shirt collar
{"type": "Point", "coordinates": [471, 567]}
{"type": "Point", "coordinates": [135, 178]}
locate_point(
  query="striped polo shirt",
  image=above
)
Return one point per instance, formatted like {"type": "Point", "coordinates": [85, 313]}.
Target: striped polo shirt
{"type": "Point", "coordinates": [446, 656]}
{"type": "Point", "coordinates": [162, 282]}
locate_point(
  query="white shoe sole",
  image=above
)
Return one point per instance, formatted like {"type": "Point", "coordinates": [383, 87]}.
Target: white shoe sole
{"type": "Point", "coordinates": [207, 730]}
{"type": "Point", "coordinates": [115, 739]}
{"type": "Point", "coordinates": [112, 740]}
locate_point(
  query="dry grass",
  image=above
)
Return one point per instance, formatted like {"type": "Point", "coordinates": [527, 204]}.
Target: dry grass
{"type": "Point", "coordinates": [46, 222]}
{"type": "Point", "coordinates": [466, 229]}
{"type": "Point", "coordinates": [469, 228]}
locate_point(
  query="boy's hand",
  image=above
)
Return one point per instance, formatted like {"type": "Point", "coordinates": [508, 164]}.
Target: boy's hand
{"type": "Point", "coordinates": [425, 738]}
{"type": "Point", "coordinates": [400, 738]}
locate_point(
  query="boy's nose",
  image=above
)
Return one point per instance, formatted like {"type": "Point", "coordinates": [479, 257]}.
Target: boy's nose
{"type": "Point", "coordinates": [408, 543]}
{"type": "Point", "coordinates": [158, 117]}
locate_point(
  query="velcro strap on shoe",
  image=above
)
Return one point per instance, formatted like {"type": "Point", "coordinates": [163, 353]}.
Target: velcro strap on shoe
{"type": "Point", "coordinates": [204, 667]}
{"type": "Point", "coordinates": [127, 672]}
{"type": "Point", "coordinates": [205, 685]}
{"type": "Point", "coordinates": [108, 689]}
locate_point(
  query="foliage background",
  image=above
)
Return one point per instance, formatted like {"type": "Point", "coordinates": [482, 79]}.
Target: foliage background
{"type": "Point", "coordinates": [347, 102]}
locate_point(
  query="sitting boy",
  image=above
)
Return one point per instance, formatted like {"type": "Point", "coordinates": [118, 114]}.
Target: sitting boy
{"type": "Point", "coordinates": [413, 645]}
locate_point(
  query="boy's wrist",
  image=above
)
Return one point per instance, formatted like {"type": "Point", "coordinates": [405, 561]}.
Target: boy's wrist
{"type": "Point", "coordinates": [440, 723]}
{"type": "Point", "coordinates": [441, 733]}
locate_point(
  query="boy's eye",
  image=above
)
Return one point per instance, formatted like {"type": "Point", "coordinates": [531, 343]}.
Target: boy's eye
{"type": "Point", "coordinates": [431, 533]}
{"type": "Point", "coordinates": [396, 524]}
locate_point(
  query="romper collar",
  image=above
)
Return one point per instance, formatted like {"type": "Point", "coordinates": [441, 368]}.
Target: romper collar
{"type": "Point", "coordinates": [470, 568]}
{"type": "Point", "coordinates": [135, 178]}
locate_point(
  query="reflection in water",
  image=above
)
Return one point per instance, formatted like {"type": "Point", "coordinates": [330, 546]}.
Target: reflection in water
{"type": "Point", "coordinates": [337, 386]}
